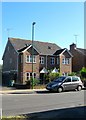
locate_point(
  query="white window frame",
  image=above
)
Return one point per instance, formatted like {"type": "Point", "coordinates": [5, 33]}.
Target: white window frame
{"type": "Point", "coordinates": [29, 59]}
{"type": "Point", "coordinates": [29, 75]}
{"type": "Point", "coordinates": [66, 61]}
{"type": "Point", "coordinates": [41, 60]}
{"type": "Point", "coordinates": [63, 61]}
{"type": "Point", "coordinates": [52, 61]}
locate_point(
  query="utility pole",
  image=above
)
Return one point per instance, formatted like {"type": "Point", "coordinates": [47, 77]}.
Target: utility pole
{"type": "Point", "coordinates": [33, 53]}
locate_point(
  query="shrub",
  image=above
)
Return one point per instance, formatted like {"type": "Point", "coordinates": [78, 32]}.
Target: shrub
{"type": "Point", "coordinates": [34, 81]}
{"type": "Point", "coordinates": [52, 76]}
{"type": "Point", "coordinates": [83, 72]}
{"type": "Point", "coordinates": [72, 74]}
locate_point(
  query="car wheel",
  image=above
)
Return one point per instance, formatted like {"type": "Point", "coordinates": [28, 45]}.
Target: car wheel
{"type": "Point", "coordinates": [79, 88]}
{"type": "Point", "coordinates": [60, 89]}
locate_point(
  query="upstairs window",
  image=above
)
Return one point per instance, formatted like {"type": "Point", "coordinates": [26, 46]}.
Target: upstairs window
{"type": "Point", "coordinates": [52, 60]}
{"type": "Point", "coordinates": [41, 60]}
{"type": "Point", "coordinates": [29, 59]}
{"type": "Point", "coordinates": [65, 61]}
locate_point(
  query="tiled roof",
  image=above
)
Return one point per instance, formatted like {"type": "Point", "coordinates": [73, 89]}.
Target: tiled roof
{"type": "Point", "coordinates": [44, 48]}
{"type": "Point", "coordinates": [58, 52]}
{"type": "Point", "coordinates": [83, 51]}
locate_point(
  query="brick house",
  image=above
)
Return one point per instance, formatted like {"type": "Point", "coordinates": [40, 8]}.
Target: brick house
{"type": "Point", "coordinates": [79, 58]}
{"type": "Point", "coordinates": [17, 59]}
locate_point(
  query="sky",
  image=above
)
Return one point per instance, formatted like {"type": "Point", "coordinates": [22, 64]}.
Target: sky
{"type": "Point", "coordinates": [56, 22]}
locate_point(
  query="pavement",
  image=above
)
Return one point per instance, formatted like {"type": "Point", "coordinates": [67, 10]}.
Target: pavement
{"type": "Point", "coordinates": [11, 90]}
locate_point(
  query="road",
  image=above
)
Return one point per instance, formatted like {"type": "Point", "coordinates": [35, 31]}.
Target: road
{"type": "Point", "coordinates": [14, 104]}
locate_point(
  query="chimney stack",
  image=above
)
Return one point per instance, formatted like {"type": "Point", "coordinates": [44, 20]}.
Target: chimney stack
{"type": "Point", "coordinates": [72, 47]}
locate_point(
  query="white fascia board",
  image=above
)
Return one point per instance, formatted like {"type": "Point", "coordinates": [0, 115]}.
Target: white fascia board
{"type": "Point", "coordinates": [67, 51]}
{"type": "Point", "coordinates": [29, 48]}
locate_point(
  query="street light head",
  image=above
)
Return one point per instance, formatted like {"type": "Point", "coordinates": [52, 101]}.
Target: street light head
{"type": "Point", "coordinates": [34, 23]}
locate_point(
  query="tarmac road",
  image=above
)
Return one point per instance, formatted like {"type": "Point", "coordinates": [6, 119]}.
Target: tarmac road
{"type": "Point", "coordinates": [15, 104]}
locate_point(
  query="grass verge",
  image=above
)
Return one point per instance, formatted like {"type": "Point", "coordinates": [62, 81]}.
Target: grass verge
{"type": "Point", "coordinates": [14, 118]}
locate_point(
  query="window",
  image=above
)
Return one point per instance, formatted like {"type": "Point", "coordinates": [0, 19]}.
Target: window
{"type": "Point", "coordinates": [29, 75]}
{"type": "Point", "coordinates": [68, 80]}
{"type": "Point", "coordinates": [29, 59]}
{"type": "Point", "coordinates": [57, 61]}
{"type": "Point", "coordinates": [65, 61]}
{"type": "Point", "coordinates": [41, 60]}
{"type": "Point", "coordinates": [74, 79]}
{"type": "Point", "coordinates": [52, 61]}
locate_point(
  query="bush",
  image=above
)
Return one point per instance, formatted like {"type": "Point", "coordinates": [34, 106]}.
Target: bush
{"type": "Point", "coordinates": [83, 72]}
{"type": "Point", "coordinates": [34, 81]}
{"type": "Point", "coordinates": [72, 74]}
{"type": "Point", "coordinates": [52, 76]}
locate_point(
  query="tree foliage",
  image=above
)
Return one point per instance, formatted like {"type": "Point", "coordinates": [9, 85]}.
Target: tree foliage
{"type": "Point", "coordinates": [83, 72]}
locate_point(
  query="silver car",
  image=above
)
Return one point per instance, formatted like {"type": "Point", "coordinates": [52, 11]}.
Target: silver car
{"type": "Point", "coordinates": [64, 83]}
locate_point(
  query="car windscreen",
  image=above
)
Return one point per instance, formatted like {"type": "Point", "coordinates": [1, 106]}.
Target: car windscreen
{"type": "Point", "coordinates": [60, 79]}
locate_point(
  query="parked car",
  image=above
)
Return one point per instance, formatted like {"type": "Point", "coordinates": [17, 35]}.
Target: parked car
{"type": "Point", "coordinates": [64, 83]}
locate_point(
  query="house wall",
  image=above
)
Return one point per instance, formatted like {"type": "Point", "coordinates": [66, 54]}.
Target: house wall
{"type": "Point", "coordinates": [52, 66]}
{"type": "Point", "coordinates": [79, 60]}
{"type": "Point", "coordinates": [47, 63]}
{"type": "Point", "coordinates": [10, 64]}
{"type": "Point", "coordinates": [20, 68]}
{"type": "Point", "coordinates": [37, 67]}
{"type": "Point", "coordinates": [65, 68]}
{"type": "Point", "coordinates": [27, 67]}
{"type": "Point", "coordinates": [9, 58]}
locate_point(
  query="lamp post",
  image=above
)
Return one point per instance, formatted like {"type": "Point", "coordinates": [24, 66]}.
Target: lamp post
{"type": "Point", "coordinates": [32, 53]}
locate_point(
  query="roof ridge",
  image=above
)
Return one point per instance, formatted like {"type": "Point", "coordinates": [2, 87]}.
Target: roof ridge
{"type": "Point", "coordinates": [31, 40]}
{"type": "Point", "coordinates": [81, 48]}
{"type": "Point", "coordinates": [78, 49]}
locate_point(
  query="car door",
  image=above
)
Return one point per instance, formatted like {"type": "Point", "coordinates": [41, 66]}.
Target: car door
{"type": "Point", "coordinates": [75, 82]}
{"type": "Point", "coordinates": [67, 84]}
